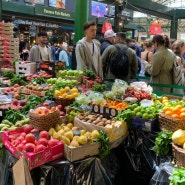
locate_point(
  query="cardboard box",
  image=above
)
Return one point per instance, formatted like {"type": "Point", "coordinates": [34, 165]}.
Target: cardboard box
{"type": "Point", "coordinates": [87, 150]}
{"type": "Point", "coordinates": [113, 133]}
{"type": "Point", "coordinates": [25, 67]}
{"type": "Point", "coordinates": [34, 159]}
{"type": "Point", "coordinates": [145, 124]}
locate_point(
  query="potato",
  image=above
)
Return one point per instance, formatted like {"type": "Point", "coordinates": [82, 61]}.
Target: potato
{"type": "Point", "coordinates": [108, 122]}
{"type": "Point", "coordinates": [104, 119]}
{"type": "Point", "coordinates": [100, 124]}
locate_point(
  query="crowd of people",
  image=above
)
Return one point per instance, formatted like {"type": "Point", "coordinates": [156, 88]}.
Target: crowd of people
{"type": "Point", "coordinates": [154, 58]}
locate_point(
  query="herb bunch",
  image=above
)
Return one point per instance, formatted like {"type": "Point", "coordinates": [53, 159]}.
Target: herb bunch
{"type": "Point", "coordinates": [163, 143]}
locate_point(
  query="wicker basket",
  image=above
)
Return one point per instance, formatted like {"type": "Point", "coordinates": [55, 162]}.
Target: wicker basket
{"type": "Point", "coordinates": [44, 122]}
{"type": "Point", "coordinates": [172, 97]}
{"type": "Point", "coordinates": [64, 101]}
{"type": "Point", "coordinates": [178, 155]}
{"type": "Point", "coordinates": [169, 123]}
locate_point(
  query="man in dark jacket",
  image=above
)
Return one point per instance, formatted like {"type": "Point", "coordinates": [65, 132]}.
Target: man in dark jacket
{"type": "Point", "coordinates": [109, 39]}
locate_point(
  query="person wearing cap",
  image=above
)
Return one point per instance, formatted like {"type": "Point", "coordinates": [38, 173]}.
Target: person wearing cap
{"type": "Point", "coordinates": [111, 51]}
{"type": "Point", "coordinates": [41, 52]}
{"type": "Point", "coordinates": [88, 50]}
{"type": "Point", "coordinates": [109, 39]}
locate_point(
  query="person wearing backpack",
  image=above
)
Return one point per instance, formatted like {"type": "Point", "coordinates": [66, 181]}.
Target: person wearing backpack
{"type": "Point", "coordinates": [119, 61]}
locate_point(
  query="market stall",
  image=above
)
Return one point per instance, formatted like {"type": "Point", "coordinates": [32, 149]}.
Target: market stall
{"type": "Point", "coordinates": [76, 128]}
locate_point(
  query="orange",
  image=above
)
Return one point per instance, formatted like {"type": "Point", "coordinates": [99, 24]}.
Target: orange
{"type": "Point", "coordinates": [53, 109]}
{"type": "Point", "coordinates": [175, 116]}
{"type": "Point", "coordinates": [169, 113]}
{"type": "Point", "coordinates": [167, 109]}
{"type": "Point", "coordinates": [182, 115]}
{"type": "Point", "coordinates": [176, 110]}
{"type": "Point", "coordinates": [16, 96]}
{"type": "Point", "coordinates": [179, 106]}
{"type": "Point", "coordinates": [182, 110]}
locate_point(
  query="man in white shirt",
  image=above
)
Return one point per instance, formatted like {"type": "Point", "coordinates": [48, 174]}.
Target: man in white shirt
{"type": "Point", "coordinates": [88, 50]}
{"type": "Point", "coordinates": [41, 52]}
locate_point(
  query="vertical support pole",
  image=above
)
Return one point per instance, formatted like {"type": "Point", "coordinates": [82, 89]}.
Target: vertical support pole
{"type": "Point", "coordinates": [149, 20]}
{"type": "Point", "coordinates": [81, 16]}
{"type": "Point", "coordinates": [174, 26]}
{"type": "Point", "coordinates": [1, 10]}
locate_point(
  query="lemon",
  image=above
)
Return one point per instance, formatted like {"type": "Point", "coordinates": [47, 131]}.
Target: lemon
{"type": "Point", "coordinates": [67, 88]}
{"type": "Point", "coordinates": [74, 90]}
{"type": "Point", "coordinates": [57, 93]}
{"type": "Point", "coordinates": [62, 91]}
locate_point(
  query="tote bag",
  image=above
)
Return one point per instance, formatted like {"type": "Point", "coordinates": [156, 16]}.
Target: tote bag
{"type": "Point", "coordinates": [178, 76]}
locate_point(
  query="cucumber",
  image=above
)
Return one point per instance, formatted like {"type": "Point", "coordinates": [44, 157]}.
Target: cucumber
{"type": "Point", "coordinates": [3, 125]}
{"type": "Point", "coordinates": [7, 122]}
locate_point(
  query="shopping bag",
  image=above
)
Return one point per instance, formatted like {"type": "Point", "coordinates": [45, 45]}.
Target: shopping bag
{"type": "Point", "coordinates": [106, 26]}
{"type": "Point", "coordinates": [21, 173]}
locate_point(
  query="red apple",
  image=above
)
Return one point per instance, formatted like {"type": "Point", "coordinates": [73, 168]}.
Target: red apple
{"type": "Point", "coordinates": [60, 107]}
{"type": "Point", "coordinates": [24, 142]}
{"type": "Point", "coordinates": [15, 142]}
{"type": "Point", "coordinates": [30, 138]}
{"type": "Point", "coordinates": [20, 138]}
{"type": "Point", "coordinates": [20, 147]}
{"type": "Point", "coordinates": [43, 141]}
{"type": "Point", "coordinates": [23, 134]}
{"type": "Point", "coordinates": [53, 142]}
{"type": "Point", "coordinates": [62, 113]}
{"type": "Point", "coordinates": [40, 148]}
{"type": "Point", "coordinates": [29, 147]}
{"type": "Point", "coordinates": [44, 134]}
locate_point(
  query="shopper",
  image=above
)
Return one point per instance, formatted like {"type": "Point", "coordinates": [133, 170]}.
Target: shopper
{"type": "Point", "coordinates": [109, 39]}
{"type": "Point", "coordinates": [178, 47]}
{"type": "Point", "coordinates": [131, 42]}
{"type": "Point", "coordinates": [41, 52]}
{"type": "Point", "coordinates": [88, 50]}
{"type": "Point", "coordinates": [63, 55]}
{"type": "Point", "coordinates": [161, 66]}
{"type": "Point", "coordinates": [25, 53]}
{"type": "Point", "coordinates": [111, 51]}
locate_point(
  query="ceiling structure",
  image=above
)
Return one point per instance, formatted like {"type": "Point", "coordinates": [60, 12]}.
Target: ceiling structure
{"type": "Point", "coordinates": [171, 3]}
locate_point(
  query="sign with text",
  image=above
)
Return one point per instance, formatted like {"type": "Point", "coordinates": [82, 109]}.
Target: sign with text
{"type": "Point", "coordinates": [52, 12]}
{"type": "Point", "coordinates": [35, 23]}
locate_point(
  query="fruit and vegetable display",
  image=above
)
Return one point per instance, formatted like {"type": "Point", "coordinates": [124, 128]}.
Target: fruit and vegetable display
{"type": "Point", "coordinates": [87, 113]}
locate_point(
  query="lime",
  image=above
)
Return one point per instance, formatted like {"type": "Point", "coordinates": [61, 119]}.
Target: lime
{"type": "Point", "coordinates": [139, 114]}
{"type": "Point", "coordinates": [145, 116]}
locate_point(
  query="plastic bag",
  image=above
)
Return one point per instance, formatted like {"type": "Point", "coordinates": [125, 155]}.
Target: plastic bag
{"type": "Point", "coordinates": [62, 172]}
{"type": "Point", "coordinates": [162, 174]}
{"type": "Point", "coordinates": [118, 89]}
{"type": "Point", "coordinates": [137, 160]}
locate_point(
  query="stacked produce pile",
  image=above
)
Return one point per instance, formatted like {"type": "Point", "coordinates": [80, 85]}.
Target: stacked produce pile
{"type": "Point", "coordinates": [9, 46]}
